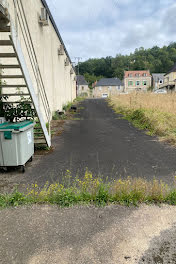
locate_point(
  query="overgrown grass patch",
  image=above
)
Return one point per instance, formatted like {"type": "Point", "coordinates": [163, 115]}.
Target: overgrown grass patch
{"type": "Point", "coordinates": [93, 191]}
{"type": "Point", "coordinates": [142, 113]}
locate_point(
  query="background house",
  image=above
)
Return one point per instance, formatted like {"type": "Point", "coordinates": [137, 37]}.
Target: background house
{"type": "Point", "coordinates": [137, 80]}
{"type": "Point", "coordinates": [157, 80]}
{"type": "Point", "coordinates": [170, 80]}
{"type": "Point", "coordinates": [82, 86]}
{"type": "Point", "coordinates": [107, 87]}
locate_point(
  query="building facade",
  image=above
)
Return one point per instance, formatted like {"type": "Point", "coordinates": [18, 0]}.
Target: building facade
{"type": "Point", "coordinates": [43, 49]}
{"type": "Point", "coordinates": [82, 86]}
{"type": "Point", "coordinates": [137, 81]}
{"type": "Point", "coordinates": [107, 87]}
{"type": "Point", "coordinates": [157, 80]}
{"type": "Point", "coordinates": [34, 59]}
{"type": "Point", "coordinates": [169, 80]}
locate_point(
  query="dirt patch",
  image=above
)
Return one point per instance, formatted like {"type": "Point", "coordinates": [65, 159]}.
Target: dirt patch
{"type": "Point", "coordinates": [57, 126]}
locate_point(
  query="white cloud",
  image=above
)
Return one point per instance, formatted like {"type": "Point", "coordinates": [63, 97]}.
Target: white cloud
{"type": "Point", "coordinates": [98, 28]}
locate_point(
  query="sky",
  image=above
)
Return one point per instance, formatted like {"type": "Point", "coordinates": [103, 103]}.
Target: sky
{"type": "Point", "coordinates": [100, 28]}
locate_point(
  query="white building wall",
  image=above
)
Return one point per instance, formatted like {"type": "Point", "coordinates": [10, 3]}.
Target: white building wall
{"type": "Point", "coordinates": [60, 85]}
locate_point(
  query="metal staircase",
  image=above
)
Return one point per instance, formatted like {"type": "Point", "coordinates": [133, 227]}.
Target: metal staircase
{"type": "Point", "coordinates": [16, 82]}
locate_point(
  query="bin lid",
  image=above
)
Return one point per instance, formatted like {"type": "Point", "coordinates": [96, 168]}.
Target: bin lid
{"type": "Point", "coordinates": [15, 126]}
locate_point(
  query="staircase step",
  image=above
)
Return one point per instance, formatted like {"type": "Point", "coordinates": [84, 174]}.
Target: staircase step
{"type": "Point", "coordinates": [11, 76]}
{"type": "Point", "coordinates": [17, 102]}
{"type": "Point", "coordinates": [7, 55]}
{"type": "Point", "coordinates": [22, 94]}
{"type": "Point", "coordinates": [5, 29]}
{"type": "Point", "coordinates": [13, 86]}
{"type": "Point", "coordinates": [38, 133]}
{"type": "Point", "coordinates": [39, 141]}
{"type": "Point", "coordinates": [41, 138]}
{"type": "Point", "coordinates": [38, 129]}
{"type": "Point", "coordinates": [9, 66]}
{"type": "Point", "coordinates": [5, 43]}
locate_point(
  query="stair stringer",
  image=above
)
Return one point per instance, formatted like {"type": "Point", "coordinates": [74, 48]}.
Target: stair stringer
{"type": "Point", "coordinates": [27, 78]}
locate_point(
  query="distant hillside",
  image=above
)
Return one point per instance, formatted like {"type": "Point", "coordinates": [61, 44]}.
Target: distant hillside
{"type": "Point", "coordinates": [157, 60]}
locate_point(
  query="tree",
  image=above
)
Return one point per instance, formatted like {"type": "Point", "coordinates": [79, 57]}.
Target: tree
{"type": "Point", "coordinates": [155, 59]}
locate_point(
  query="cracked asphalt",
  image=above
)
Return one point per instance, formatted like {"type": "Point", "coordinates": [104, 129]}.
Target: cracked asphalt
{"type": "Point", "coordinates": [103, 142]}
{"type": "Point", "coordinates": [107, 145]}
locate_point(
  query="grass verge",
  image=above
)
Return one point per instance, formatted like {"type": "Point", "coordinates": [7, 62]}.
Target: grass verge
{"type": "Point", "coordinates": [149, 112]}
{"type": "Point", "coordinates": [90, 190]}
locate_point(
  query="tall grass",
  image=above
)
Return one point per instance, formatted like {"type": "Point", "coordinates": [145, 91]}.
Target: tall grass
{"type": "Point", "coordinates": [90, 190]}
{"type": "Point", "coordinates": [154, 112]}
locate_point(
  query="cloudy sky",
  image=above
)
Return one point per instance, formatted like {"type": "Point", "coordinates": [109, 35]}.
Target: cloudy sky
{"type": "Point", "coordinates": [99, 28]}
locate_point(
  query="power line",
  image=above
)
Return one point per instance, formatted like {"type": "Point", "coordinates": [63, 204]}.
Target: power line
{"type": "Point", "coordinates": [78, 59]}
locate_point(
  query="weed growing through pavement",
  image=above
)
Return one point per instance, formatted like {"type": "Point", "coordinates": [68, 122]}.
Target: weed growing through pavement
{"type": "Point", "coordinates": [90, 190]}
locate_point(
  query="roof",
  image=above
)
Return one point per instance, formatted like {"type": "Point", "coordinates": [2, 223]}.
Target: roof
{"type": "Point", "coordinates": [158, 76]}
{"type": "Point", "coordinates": [173, 69]}
{"type": "Point", "coordinates": [81, 80]}
{"type": "Point", "coordinates": [137, 72]}
{"type": "Point", "coordinates": [109, 82]}
{"type": "Point", "coordinates": [55, 27]}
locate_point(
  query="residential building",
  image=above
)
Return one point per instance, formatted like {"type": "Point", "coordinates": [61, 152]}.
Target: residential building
{"type": "Point", "coordinates": [169, 80]}
{"type": "Point", "coordinates": [34, 60]}
{"type": "Point", "coordinates": [82, 86]}
{"type": "Point", "coordinates": [157, 80]}
{"type": "Point", "coordinates": [107, 87]}
{"type": "Point", "coordinates": [137, 80]}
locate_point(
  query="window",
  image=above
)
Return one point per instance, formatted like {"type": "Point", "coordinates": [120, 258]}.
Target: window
{"type": "Point", "coordinates": [118, 87]}
{"type": "Point", "coordinates": [110, 88]}
{"type": "Point", "coordinates": [82, 88]}
{"type": "Point", "coordinates": [145, 83]}
{"type": "Point", "coordinates": [161, 81]}
{"type": "Point", "coordinates": [130, 83]}
{"type": "Point", "coordinates": [137, 83]}
{"type": "Point", "coordinates": [100, 88]}
{"type": "Point", "coordinates": [144, 74]}
{"type": "Point", "coordinates": [130, 75]}
{"type": "Point", "coordinates": [137, 75]}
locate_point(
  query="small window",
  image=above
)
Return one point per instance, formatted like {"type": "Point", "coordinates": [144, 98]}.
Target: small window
{"type": "Point", "coordinates": [130, 83]}
{"type": "Point", "coordinates": [161, 81]}
{"type": "Point", "coordinates": [137, 75]}
{"type": "Point", "coordinates": [110, 88]}
{"type": "Point", "coordinates": [104, 95]}
{"type": "Point", "coordinates": [137, 83]}
{"type": "Point", "coordinates": [144, 74]}
{"type": "Point", "coordinates": [130, 75]}
{"type": "Point", "coordinates": [82, 88]}
{"type": "Point", "coordinates": [118, 87]}
{"type": "Point", "coordinates": [100, 88]}
{"type": "Point", "coordinates": [145, 83]}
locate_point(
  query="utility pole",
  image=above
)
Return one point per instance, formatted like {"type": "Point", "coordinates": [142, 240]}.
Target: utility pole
{"type": "Point", "coordinates": [78, 59]}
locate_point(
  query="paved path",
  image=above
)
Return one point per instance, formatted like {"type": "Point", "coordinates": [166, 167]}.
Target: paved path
{"type": "Point", "coordinates": [88, 235]}
{"type": "Point", "coordinates": [85, 235]}
{"type": "Point", "coordinates": [108, 146]}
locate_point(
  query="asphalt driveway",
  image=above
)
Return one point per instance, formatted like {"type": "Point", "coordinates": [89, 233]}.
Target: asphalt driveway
{"type": "Point", "coordinates": [98, 139]}
{"type": "Point", "coordinates": [107, 146]}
